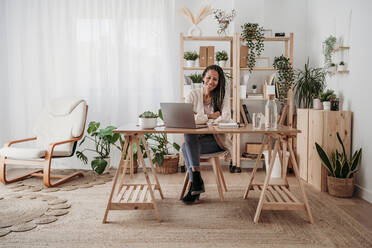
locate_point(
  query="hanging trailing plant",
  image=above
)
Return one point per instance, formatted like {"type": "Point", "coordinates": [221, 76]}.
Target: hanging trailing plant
{"type": "Point", "coordinates": [328, 48]}
{"type": "Point", "coordinates": [285, 78]}
{"type": "Point", "coordinates": [253, 36]}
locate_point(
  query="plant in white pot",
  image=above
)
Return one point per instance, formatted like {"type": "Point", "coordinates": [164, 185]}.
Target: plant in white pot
{"type": "Point", "coordinates": [103, 139]}
{"type": "Point", "coordinates": [190, 58]}
{"type": "Point", "coordinates": [326, 97]}
{"type": "Point", "coordinates": [221, 58]}
{"type": "Point", "coordinates": [341, 66]}
{"type": "Point", "coordinates": [341, 170]}
{"type": "Point", "coordinates": [332, 68]}
{"type": "Point", "coordinates": [197, 80]}
{"type": "Point", "coordinates": [147, 119]}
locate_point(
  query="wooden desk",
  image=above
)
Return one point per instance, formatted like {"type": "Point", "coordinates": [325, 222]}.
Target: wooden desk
{"type": "Point", "coordinates": [142, 196]}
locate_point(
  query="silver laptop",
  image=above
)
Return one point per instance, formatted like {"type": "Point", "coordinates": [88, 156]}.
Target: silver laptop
{"type": "Point", "coordinates": [180, 115]}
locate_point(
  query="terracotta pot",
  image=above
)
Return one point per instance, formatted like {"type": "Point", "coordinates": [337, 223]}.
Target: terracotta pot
{"type": "Point", "coordinates": [340, 187]}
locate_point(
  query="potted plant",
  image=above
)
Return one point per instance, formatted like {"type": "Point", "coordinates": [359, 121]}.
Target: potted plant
{"type": "Point", "coordinates": [332, 68]}
{"type": "Point", "coordinates": [341, 66]}
{"type": "Point", "coordinates": [335, 103]}
{"type": "Point", "coordinates": [197, 80]}
{"type": "Point", "coordinates": [253, 35]}
{"type": "Point", "coordinates": [103, 139]}
{"type": "Point", "coordinates": [329, 46]}
{"type": "Point", "coordinates": [159, 145]}
{"type": "Point", "coordinates": [190, 58]}
{"type": "Point", "coordinates": [326, 97]}
{"type": "Point", "coordinates": [221, 58]}
{"type": "Point", "coordinates": [308, 84]}
{"type": "Point", "coordinates": [285, 78]}
{"type": "Point", "coordinates": [341, 170]}
{"type": "Point", "coordinates": [147, 119]}
{"type": "Point", "coordinates": [254, 88]}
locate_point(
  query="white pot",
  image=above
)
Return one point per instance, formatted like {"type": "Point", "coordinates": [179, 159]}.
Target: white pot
{"type": "Point", "coordinates": [277, 168]}
{"type": "Point", "coordinates": [194, 31]}
{"type": "Point", "coordinates": [317, 104]}
{"type": "Point", "coordinates": [332, 69]}
{"type": "Point", "coordinates": [108, 166]}
{"type": "Point", "coordinates": [327, 105]}
{"type": "Point", "coordinates": [222, 63]}
{"type": "Point", "coordinates": [341, 68]}
{"type": "Point", "coordinates": [197, 86]}
{"type": "Point", "coordinates": [254, 91]}
{"type": "Point", "coordinates": [187, 89]}
{"type": "Point", "coordinates": [189, 63]}
{"type": "Point", "coordinates": [243, 91]}
{"type": "Point", "coordinates": [147, 122]}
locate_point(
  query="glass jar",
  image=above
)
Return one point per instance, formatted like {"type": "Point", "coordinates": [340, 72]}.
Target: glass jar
{"type": "Point", "coordinates": [271, 114]}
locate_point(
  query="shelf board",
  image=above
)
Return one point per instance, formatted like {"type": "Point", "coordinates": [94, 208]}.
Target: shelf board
{"type": "Point", "coordinates": [259, 68]}
{"type": "Point", "coordinates": [253, 99]}
{"type": "Point", "coordinates": [341, 48]}
{"type": "Point", "coordinates": [202, 68]}
{"type": "Point", "coordinates": [249, 159]}
{"type": "Point", "coordinates": [274, 39]}
{"type": "Point", "coordinates": [344, 71]}
{"type": "Point", "coordinates": [208, 38]}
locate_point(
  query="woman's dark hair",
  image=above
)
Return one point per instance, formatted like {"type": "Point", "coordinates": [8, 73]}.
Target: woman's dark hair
{"type": "Point", "coordinates": [218, 94]}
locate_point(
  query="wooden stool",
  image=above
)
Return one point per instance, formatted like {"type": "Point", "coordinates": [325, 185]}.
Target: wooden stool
{"type": "Point", "coordinates": [220, 181]}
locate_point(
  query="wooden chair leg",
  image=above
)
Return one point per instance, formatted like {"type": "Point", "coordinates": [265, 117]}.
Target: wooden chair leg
{"type": "Point", "coordinates": [185, 185]}
{"type": "Point", "coordinates": [47, 177]}
{"type": "Point", "coordinates": [3, 178]}
{"type": "Point", "coordinates": [220, 173]}
{"type": "Point", "coordinates": [215, 170]}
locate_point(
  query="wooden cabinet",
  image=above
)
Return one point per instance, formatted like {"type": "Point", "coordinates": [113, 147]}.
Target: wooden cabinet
{"type": "Point", "coordinates": [320, 126]}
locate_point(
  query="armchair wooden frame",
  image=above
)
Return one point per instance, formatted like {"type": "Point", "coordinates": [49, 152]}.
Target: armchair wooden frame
{"type": "Point", "coordinates": [45, 163]}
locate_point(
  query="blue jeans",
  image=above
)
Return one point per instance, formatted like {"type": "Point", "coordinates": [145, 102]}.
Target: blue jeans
{"type": "Point", "coordinates": [196, 144]}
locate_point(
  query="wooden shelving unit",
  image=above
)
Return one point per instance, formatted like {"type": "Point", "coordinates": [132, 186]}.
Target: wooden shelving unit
{"type": "Point", "coordinates": [288, 52]}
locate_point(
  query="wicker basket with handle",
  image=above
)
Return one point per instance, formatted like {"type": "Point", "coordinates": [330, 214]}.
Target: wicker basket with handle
{"type": "Point", "coordinates": [169, 166]}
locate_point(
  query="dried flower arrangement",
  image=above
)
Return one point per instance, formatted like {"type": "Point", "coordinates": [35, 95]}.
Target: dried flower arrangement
{"type": "Point", "coordinates": [203, 12]}
{"type": "Point", "coordinates": [223, 20]}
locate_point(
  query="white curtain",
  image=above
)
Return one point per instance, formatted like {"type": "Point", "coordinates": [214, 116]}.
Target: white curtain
{"type": "Point", "coordinates": [116, 54]}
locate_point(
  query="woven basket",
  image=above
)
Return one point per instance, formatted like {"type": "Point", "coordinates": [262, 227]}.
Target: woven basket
{"type": "Point", "coordinates": [169, 166]}
{"type": "Point", "coordinates": [340, 187]}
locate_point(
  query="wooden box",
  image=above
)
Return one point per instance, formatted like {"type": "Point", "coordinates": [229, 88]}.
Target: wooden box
{"type": "Point", "coordinates": [210, 53]}
{"type": "Point", "coordinates": [243, 56]}
{"type": "Point", "coordinates": [320, 126]}
{"type": "Point", "coordinates": [203, 56]}
{"type": "Point", "coordinates": [254, 148]}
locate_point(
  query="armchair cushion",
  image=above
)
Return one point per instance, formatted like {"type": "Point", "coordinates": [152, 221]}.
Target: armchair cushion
{"type": "Point", "coordinates": [28, 153]}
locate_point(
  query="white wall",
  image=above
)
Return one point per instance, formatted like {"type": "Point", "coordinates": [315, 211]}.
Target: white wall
{"type": "Point", "coordinates": [332, 17]}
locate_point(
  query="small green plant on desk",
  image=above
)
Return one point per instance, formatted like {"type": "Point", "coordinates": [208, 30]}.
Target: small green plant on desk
{"type": "Point", "coordinates": [102, 139]}
{"type": "Point", "coordinates": [327, 96]}
{"type": "Point", "coordinates": [341, 169]}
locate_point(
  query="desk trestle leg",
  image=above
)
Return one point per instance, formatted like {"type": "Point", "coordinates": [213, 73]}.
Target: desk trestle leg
{"type": "Point", "coordinates": [133, 196]}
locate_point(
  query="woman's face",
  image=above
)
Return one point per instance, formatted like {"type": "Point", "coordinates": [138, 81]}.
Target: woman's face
{"type": "Point", "coordinates": [210, 80]}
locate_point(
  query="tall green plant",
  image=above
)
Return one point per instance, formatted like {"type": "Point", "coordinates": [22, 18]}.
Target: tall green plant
{"type": "Point", "coordinates": [309, 83]}
{"type": "Point", "coordinates": [253, 36]}
{"type": "Point", "coordinates": [328, 49]}
{"type": "Point", "coordinates": [285, 78]}
{"type": "Point", "coordinates": [339, 165]}
{"type": "Point", "coordinates": [103, 139]}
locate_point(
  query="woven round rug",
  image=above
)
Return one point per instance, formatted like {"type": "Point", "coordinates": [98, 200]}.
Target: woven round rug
{"type": "Point", "coordinates": [23, 213]}
{"type": "Point", "coordinates": [35, 184]}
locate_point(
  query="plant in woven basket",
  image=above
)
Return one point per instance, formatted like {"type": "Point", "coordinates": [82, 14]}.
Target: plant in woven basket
{"type": "Point", "coordinates": [339, 165]}
{"type": "Point", "coordinates": [253, 35]}
{"type": "Point", "coordinates": [285, 78]}
{"type": "Point", "coordinates": [309, 83]}
{"type": "Point", "coordinates": [160, 145]}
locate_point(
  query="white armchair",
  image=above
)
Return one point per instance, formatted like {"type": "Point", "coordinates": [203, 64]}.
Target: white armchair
{"type": "Point", "coordinates": [58, 129]}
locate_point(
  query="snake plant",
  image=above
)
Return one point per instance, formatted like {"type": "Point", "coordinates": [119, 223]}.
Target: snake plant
{"type": "Point", "coordinates": [339, 165]}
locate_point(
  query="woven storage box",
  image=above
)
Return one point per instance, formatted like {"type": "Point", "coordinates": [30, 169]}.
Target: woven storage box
{"type": "Point", "coordinates": [169, 166]}
{"type": "Point", "coordinates": [254, 148]}
{"type": "Point", "coordinates": [340, 187]}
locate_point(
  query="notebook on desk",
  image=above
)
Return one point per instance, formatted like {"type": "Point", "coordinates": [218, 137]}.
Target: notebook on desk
{"type": "Point", "coordinates": [179, 115]}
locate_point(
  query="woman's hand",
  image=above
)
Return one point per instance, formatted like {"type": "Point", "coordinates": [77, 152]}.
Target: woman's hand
{"type": "Point", "coordinates": [215, 115]}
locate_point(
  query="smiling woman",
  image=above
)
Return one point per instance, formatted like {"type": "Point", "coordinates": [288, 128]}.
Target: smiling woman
{"type": "Point", "coordinates": [114, 53]}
